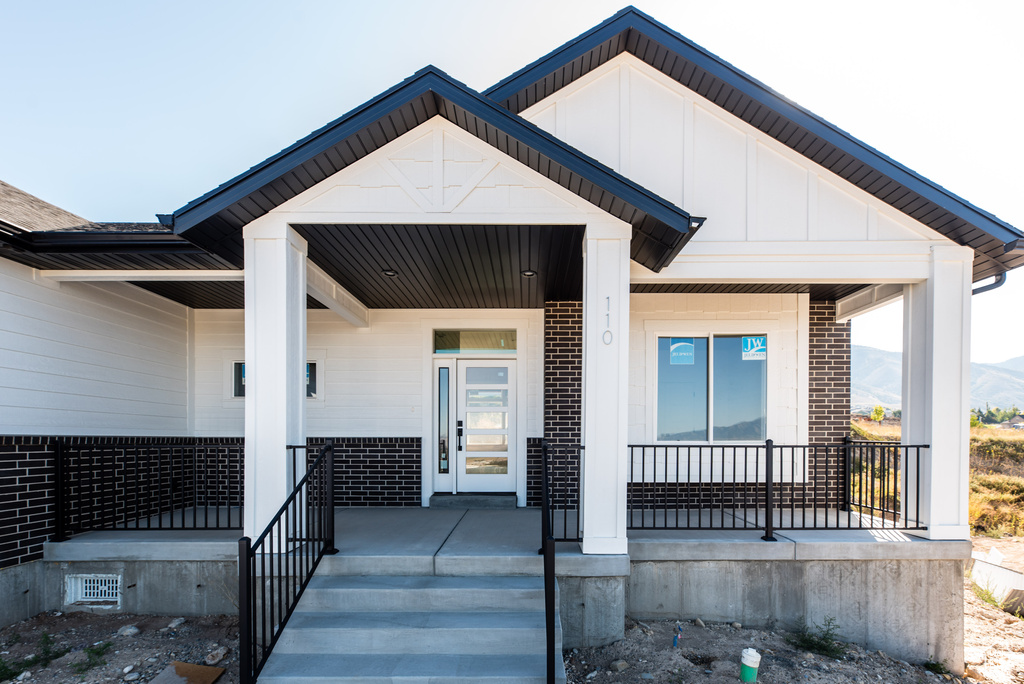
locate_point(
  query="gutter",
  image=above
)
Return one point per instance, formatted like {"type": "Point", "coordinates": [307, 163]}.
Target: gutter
{"type": "Point", "coordinates": [998, 282]}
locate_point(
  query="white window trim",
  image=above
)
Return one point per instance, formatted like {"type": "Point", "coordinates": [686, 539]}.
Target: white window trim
{"type": "Point", "coordinates": [710, 328]}
{"type": "Point", "coordinates": [229, 357]}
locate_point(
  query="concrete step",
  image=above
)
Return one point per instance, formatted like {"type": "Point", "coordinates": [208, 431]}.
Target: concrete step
{"type": "Point", "coordinates": [422, 593]}
{"type": "Point", "coordinates": [295, 668]}
{"type": "Point", "coordinates": [476, 501]}
{"type": "Point", "coordinates": [416, 633]}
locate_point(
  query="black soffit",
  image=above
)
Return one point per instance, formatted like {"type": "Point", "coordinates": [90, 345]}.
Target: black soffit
{"type": "Point", "coordinates": [215, 220]}
{"type": "Point", "coordinates": [450, 266]}
{"type": "Point", "coordinates": [632, 31]}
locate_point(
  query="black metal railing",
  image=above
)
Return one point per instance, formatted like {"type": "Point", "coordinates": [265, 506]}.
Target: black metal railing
{"type": "Point", "coordinates": [563, 465]}
{"type": "Point", "coordinates": [548, 550]}
{"type": "Point", "coordinates": [770, 487]}
{"type": "Point", "coordinates": [147, 486]}
{"type": "Point", "coordinates": [274, 570]}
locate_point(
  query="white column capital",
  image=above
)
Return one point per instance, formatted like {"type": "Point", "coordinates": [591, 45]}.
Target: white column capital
{"type": "Point", "coordinates": [270, 227]}
{"type": "Point", "coordinates": [608, 229]}
{"type": "Point", "coordinates": [952, 253]}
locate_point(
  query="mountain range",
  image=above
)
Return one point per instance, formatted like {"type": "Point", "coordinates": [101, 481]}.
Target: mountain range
{"type": "Point", "coordinates": [876, 378]}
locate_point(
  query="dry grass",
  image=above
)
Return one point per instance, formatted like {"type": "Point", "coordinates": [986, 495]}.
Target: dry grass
{"type": "Point", "coordinates": [996, 502]}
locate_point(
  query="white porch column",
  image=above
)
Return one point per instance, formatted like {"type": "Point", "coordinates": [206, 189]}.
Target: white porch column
{"type": "Point", "coordinates": [275, 358]}
{"type": "Point", "coordinates": [936, 388]}
{"type": "Point", "coordinates": [605, 386]}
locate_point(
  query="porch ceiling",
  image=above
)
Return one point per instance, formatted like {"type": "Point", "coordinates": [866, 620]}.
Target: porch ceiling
{"type": "Point", "coordinates": [450, 266]}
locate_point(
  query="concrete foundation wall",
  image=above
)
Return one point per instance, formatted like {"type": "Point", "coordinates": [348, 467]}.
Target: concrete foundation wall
{"type": "Point", "coordinates": [23, 592]}
{"type": "Point", "coordinates": [592, 610]}
{"type": "Point", "coordinates": [913, 609]}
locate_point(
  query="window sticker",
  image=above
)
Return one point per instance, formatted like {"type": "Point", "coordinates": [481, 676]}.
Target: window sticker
{"type": "Point", "coordinates": [681, 351]}
{"type": "Point", "coordinates": [755, 348]}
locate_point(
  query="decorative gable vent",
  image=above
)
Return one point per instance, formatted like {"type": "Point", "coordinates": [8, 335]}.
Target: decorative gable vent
{"type": "Point", "coordinates": [96, 590]}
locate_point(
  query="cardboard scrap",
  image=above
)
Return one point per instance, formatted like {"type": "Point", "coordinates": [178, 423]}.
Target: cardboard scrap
{"type": "Point", "coordinates": [187, 673]}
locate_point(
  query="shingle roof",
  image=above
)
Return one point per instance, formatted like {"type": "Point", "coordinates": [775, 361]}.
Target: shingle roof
{"type": "Point", "coordinates": [27, 212]}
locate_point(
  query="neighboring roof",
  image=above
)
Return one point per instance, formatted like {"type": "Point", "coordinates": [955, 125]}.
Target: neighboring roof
{"type": "Point", "coordinates": [214, 221]}
{"type": "Point", "coordinates": [630, 30]}
{"type": "Point", "coordinates": [27, 212]}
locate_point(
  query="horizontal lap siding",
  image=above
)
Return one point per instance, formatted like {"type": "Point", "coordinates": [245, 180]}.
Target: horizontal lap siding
{"type": "Point", "coordinates": [76, 358]}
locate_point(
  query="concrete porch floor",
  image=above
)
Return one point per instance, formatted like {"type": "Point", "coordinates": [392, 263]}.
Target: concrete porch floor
{"type": "Point", "coordinates": [446, 541]}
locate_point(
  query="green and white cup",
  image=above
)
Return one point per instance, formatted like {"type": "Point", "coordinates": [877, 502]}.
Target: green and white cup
{"type": "Point", "coordinates": [749, 662]}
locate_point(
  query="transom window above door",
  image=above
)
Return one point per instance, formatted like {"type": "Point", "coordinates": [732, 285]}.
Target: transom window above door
{"type": "Point", "coordinates": [712, 388]}
{"type": "Point", "coordinates": [474, 341]}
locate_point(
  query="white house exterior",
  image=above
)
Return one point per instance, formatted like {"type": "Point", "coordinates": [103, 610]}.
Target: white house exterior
{"type": "Point", "coordinates": [629, 184]}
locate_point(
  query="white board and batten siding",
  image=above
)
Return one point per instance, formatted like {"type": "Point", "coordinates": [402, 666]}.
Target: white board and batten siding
{"type": "Point", "coordinates": [751, 188]}
{"type": "Point", "coordinates": [372, 382]}
{"type": "Point", "coordinates": [90, 359]}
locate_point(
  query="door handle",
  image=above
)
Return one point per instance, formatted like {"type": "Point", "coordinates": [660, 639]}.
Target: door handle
{"type": "Point", "coordinates": [458, 434]}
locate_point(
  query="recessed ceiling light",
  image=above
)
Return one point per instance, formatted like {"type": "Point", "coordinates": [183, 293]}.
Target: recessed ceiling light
{"type": "Point", "coordinates": [390, 273]}
{"type": "Point", "coordinates": [528, 273]}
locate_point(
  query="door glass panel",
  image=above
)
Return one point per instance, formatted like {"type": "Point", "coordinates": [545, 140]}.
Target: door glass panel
{"type": "Point", "coordinates": [442, 420]}
{"type": "Point", "coordinates": [486, 465]}
{"type": "Point", "coordinates": [487, 420]}
{"type": "Point", "coordinates": [486, 442]}
{"type": "Point", "coordinates": [486, 376]}
{"type": "Point", "coordinates": [481, 398]}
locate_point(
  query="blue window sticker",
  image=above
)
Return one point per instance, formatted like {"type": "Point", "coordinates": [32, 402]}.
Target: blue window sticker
{"type": "Point", "coordinates": [680, 351]}
{"type": "Point", "coordinates": [755, 348]}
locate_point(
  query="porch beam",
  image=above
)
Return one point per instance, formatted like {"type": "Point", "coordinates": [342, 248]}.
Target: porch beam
{"type": "Point", "coordinates": [328, 292]}
{"type": "Point", "coordinates": [867, 299]}
{"type": "Point", "coordinates": [142, 275]}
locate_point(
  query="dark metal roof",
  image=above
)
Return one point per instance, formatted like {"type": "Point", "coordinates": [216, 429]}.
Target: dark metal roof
{"type": "Point", "coordinates": [632, 31]}
{"type": "Point", "coordinates": [451, 266]}
{"type": "Point", "coordinates": [214, 221]}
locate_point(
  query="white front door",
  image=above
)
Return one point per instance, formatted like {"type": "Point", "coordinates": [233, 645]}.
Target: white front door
{"type": "Point", "coordinates": [476, 450]}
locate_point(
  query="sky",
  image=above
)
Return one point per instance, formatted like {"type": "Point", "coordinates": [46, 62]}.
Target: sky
{"type": "Point", "coordinates": [119, 110]}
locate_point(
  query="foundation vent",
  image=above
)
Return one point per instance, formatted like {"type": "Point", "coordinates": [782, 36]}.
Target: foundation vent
{"type": "Point", "coordinates": [96, 590]}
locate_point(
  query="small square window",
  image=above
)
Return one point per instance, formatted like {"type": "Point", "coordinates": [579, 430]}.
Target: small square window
{"type": "Point", "coordinates": [238, 379]}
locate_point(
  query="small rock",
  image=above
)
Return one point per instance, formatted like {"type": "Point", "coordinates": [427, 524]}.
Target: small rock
{"type": "Point", "coordinates": [128, 669]}
{"type": "Point", "coordinates": [699, 623]}
{"type": "Point", "coordinates": [217, 656]}
{"type": "Point", "coordinates": [128, 630]}
{"type": "Point", "coordinates": [58, 614]}
{"type": "Point", "coordinates": [132, 677]}
{"type": "Point", "coordinates": [646, 675]}
{"type": "Point", "coordinates": [176, 623]}
{"type": "Point", "coordinates": [736, 625]}
{"type": "Point", "coordinates": [592, 674]}
{"type": "Point", "coordinates": [24, 675]}
{"type": "Point", "coordinates": [152, 660]}
{"type": "Point", "coordinates": [974, 674]}
{"type": "Point", "coordinates": [618, 665]}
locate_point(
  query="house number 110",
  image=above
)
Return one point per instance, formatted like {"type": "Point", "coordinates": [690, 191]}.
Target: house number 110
{"type": "Point", "coordinates": [607, 336]}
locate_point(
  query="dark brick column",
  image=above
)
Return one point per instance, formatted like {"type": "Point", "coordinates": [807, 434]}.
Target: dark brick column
{"type": "Point", "coordinates": [563, 391]}
{"type": "Point", "coordinates": [829, 400]}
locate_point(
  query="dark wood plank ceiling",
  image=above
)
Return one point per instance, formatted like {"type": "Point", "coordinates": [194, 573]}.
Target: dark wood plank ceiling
{"type": "Point", "coordinates": [451, 266]}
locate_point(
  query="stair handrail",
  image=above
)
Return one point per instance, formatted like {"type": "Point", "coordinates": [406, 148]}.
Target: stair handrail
{"type": "Point", "coordinates": [548, 550]}
{"type": "Point", "coordinates": [297, 538]}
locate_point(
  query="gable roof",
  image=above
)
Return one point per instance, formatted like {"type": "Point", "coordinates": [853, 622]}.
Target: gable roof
{"type": "Point", "coordinates": [995, 242]}
{"type": "Point", "coordinates": [214, 221]}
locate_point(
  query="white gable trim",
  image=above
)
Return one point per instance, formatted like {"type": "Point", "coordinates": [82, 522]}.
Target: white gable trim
{"type": "Point", "coordinates": [438, 173]}
{"type": "Point", "coordinates": [821, 193]}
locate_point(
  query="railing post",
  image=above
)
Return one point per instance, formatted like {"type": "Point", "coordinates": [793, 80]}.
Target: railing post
{"type": "Point", "coordinates": [545, 503]}
{"type": "Point", "coordinates": [329, 547]}
{"type": "Point", "coordinates": [547, 548]}
{"type": "Point", "coordinates": [244, 612]}
{"type": "Point", "coordinates": [59, 489]}
{"type": "Point", "coordinates": [769, 493]}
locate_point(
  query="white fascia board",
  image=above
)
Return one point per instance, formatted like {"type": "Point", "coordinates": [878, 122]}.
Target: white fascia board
{"type": "Point", "coordinates": [143, 275]}
{"type": "Point", "coordinates": [868, 299]}
{"type": "Point", "coordinates": [325, 290]}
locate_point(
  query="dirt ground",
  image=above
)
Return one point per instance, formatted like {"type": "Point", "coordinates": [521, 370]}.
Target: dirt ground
{"type": "Point", "coordinates": [993, 646]}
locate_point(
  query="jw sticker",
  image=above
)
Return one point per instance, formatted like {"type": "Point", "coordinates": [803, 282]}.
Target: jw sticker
{"type": "Point", "coordinates": [755, 348]}
{"type": "Point", "coordinates": [680, 351]}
